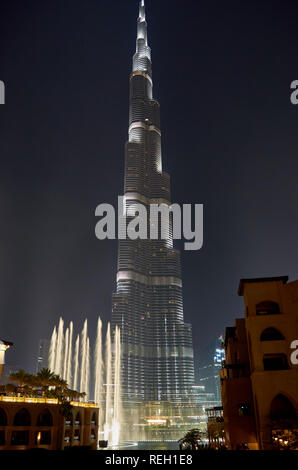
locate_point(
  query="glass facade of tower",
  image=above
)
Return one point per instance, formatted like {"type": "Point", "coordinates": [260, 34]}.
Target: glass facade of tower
{"type": "Point", "coordinates": [157, 352]}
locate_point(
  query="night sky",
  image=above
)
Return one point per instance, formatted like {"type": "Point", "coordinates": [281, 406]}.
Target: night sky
{"type": "Point", "coordinates": [222, 73]}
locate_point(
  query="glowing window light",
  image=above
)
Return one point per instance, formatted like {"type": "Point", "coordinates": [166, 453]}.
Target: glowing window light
{"type": "Point", "coordinates": [156, 421]}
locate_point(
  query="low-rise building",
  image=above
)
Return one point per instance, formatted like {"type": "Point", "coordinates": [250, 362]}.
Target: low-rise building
{"type": "Point", "coordinates": [259, 384]}
{"type": "Point", "coordinates": [215, 427]}
{"type": "Point", "coordinates": [28, 423]}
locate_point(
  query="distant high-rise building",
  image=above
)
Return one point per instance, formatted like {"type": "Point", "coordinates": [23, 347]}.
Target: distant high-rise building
{"type": "Point", "coordinates": [209, 371]}
{"type": "Point", "coordinates": [157, 350]}
{"type": "Point", "coordinates": [43, 354]}
{"type": "Point", "coordinates": [218, 360]}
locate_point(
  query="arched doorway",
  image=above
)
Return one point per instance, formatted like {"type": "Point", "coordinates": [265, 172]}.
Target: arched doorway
{"type": "Point", "coordinates": [281, 408]}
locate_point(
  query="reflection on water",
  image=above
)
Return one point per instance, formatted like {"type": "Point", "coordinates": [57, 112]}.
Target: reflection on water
{"type": "Point", "coordinates": [147, 445]}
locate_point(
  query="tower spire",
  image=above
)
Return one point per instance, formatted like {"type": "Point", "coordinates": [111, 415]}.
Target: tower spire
{"type": "Point", "coordinates": [142, 14]}
{"type": "Point", "coordinates": [142, 57]}
{"type": "Point", "coordinates": [142, 24]}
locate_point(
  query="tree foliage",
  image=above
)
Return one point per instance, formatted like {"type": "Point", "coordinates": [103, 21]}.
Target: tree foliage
{"type": "Point", "coordinates": [191, 439]}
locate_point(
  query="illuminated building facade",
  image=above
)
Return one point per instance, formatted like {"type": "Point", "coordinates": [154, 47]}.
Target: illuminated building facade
{"type": "Point", "coordinates": [37, 423]}
{"type": "Point", "coordinates": [259, 381]}
{"type": "Point", "coordinates": [157, 351]}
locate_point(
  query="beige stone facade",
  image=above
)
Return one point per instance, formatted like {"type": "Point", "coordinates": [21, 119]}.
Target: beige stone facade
{"type": "Point", "coordinates": [259, 383]}
{"type": "Point", "coordinates": [38, 423]}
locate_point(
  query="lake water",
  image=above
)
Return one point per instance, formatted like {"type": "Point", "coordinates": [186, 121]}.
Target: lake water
{"type": "Point", "coordinates": [147, 445]}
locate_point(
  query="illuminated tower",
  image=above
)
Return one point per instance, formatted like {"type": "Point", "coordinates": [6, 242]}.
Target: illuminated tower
{"type": "Point", "coordinates": [157, 352]}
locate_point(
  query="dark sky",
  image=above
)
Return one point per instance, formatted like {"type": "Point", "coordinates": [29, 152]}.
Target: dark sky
{"type": "Point", "coordinates": [222, 73]}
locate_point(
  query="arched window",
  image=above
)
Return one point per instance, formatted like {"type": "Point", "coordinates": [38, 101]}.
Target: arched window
{"type": "Point", "coordinates": [67, 436]}
{"type": "Point", "coordinates": [78, 419]}
{"type": "Point", "coordinates": [22, 418]}
{"type": "Point", "coordinates": [271, 334]}
{"type": "Point", "coordinates": [45, 419]}
{"type": "Point", "coordinates": [69, 420]}
{"type": "Point", "coordinates": [267, 308]}
{"type": "Point", "coordinates": [93, 419]}
{"type": "Point", "coordinates": [43, 438]}
{"type": "Point", "coordinates": [282, 408]}
{"type": "Point", "coordinates": [20, 438]}
{"type": "Point", "coordinates": [3, 418]}
{"type": "Point", "coordinates": [275, 362]}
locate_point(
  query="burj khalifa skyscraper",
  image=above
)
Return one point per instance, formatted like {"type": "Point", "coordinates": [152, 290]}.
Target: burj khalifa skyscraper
{"type": "Point", "coordinates": [157, 351]}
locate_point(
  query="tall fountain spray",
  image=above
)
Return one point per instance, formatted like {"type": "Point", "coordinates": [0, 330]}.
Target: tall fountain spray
{"type": "Point", "coordinates": [87, 375]}
{"type": "Point", "coordinates": [117, 388]}
{"type": "Point", "coordinates": [65, 363]}
{"type": "Point", "coordinates": [58, 368]}
{"type": "Point", "coordinates": [84, 375]}
{"type": "Point", "coordinates": [108, 385]}
{"type": "Point", "coordinates": [98, 372]}
{"type": "Point", "coordinates": [52, 353]}
{"type": "Point", "coordinates": [68, 377]}
{"type": "Point", "coordinates": [60, 359]}
{"type": "Point", "coordinates": [76, 364]}
{"type": "Point", "coordinates": [75, 369]}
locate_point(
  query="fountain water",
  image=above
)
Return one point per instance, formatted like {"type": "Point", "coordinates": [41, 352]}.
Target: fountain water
{"type": "Point", "coordinates": [117, 389]}
{"type": "Point", "coordinates": [65, 364]}
{"type": "Point", "coordinates": [59, 349]}
{"type": "Point", "coordinates": [98, 371]}
{"type": "Point", "coordinates": [84, 375]}
{"type": "Point", "coordinates": [60, 360]}
{"type": "Point", "coordinates": [107, 371]}
{"type": "Point", "coordinates": [68, 377]}
{"type": "Point", "coordinates": [52, 353]}
{"type": "Point", "coordinates": [108, 364]}
{"type": "Point", "coordinates": [87, 374]}
{"type": "Point", "coordinates": [76, 364]}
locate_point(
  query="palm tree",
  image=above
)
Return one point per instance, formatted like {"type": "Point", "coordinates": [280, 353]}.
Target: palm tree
{"type": "Point", "coordinates": [45, 378]}
{"type": "Point", "coordinates": [10, 389]}
{"type": "Point", "coordinates": [31, 381]}
{"type": "Point", "coordinates": [59, 383]}
{"type": "Point", "coordinates": [71, 394]}
{"type": "Point", "coordinates": [191, 439]}
{"type": "Point", "coordinates": [21, 378]}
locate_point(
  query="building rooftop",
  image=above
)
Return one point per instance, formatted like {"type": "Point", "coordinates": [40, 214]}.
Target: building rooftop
{"type": "Point", "coordinates": [284, 279]}
{"type": "Point", "coordinates": [49, 401]}
{"type": "Point", "coordinates": [6, 343]}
